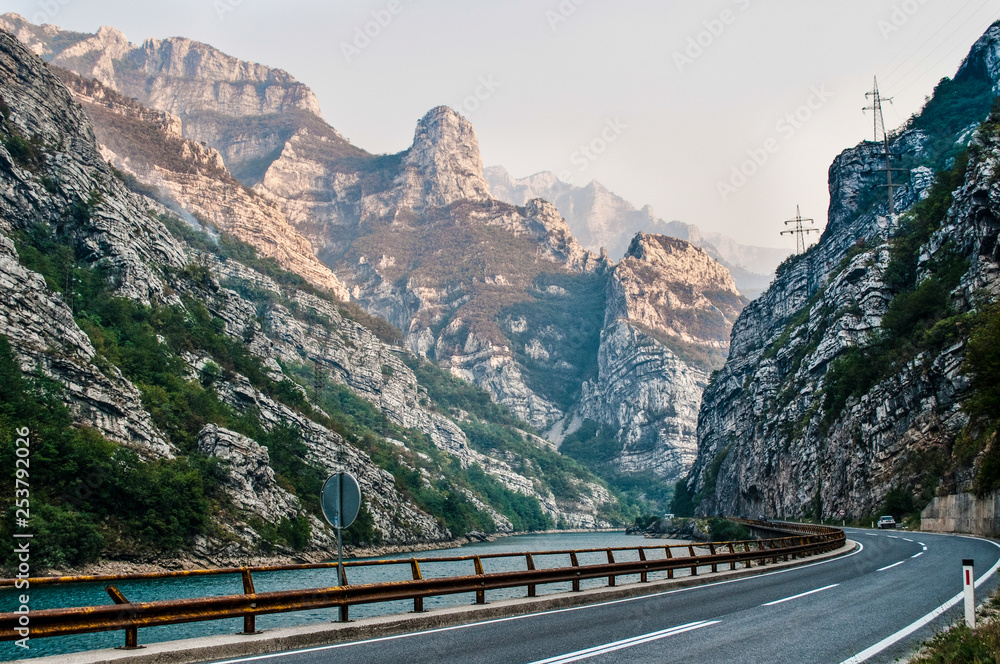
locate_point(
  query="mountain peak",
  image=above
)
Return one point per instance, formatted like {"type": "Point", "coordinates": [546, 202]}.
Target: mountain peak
{"type": "Point", "coordinates": [679, 261]}
{"type": "Point", "coordinates": [444, 165]}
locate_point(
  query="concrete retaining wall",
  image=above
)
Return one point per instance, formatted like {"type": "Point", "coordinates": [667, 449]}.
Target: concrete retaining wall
{"type": "Point", "coordinates": [963, 513]}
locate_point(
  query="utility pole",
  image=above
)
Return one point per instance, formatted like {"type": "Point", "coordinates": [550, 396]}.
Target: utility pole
{"type": "Point", "coordinates": [879, 126]}
{"type": "Point", "coordinates": [799, 231]}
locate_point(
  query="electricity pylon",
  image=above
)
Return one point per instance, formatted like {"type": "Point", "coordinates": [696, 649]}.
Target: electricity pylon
{"type": "Point", "coordinates": [799, 231]}
{"type": "Point", "coordinates": [879, 125]}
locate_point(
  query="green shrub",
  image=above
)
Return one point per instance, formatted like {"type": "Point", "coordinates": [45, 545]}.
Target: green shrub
{"type": "Point", "coordinates": [722, 530]}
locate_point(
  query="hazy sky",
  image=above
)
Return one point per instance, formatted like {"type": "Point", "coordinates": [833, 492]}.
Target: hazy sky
{"type": "Point", "coordinates": [659, 100]}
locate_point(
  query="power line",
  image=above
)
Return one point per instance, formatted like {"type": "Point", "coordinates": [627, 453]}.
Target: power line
{"type": "Point", "coordinates": [940, 28]}
{"type": "Point", "coordinates": [944, 42]}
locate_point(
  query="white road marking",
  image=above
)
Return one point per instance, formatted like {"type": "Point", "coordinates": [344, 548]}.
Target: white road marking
{"type": "Point", "coordinates": [624, 643]}
{"type": "Point", "coordinates": [788, 599]}
{"type": "Point", "coordinates": [911, 628]}
{"type": "Point", "coordinates": [917, 555]}
{"type": "Point", "coordinates": [892, 536]}
{"type": "Point", "coordinates": [907, 540]}
{"type": "Point", "coordinates": [882, 569]}
{"type": "Point", "coordinates": [923, 545]}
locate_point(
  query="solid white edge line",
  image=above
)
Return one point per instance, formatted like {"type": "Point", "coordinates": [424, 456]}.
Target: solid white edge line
{"type": "Point", "coordinates": [809, 592]}
{"type": "Point", "coordinates": [911, 628]}
{"type": "Point", "coordinates": [882, 569]}
{"type": "Point", "coordinates": [254, 658]}
{"type": "Point", "coordinates": [624, 643]}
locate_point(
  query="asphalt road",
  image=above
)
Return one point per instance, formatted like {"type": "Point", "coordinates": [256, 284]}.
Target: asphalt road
{"type": "Point", "coordinates": [849, 609]}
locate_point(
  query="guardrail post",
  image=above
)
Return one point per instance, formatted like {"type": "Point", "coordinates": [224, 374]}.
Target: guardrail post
{"type": "Point", "coordinates": [711, 550]}
{"type": "Point", "coordinates": [643, 576]}
{"type": "Point", "coordinates": [694, 568]}
{"type": "Point", "coordinates": [760, 548]}
{"type": "Point", "coordinates": [344, 608]}
{"type": "Point", "coordinates": [611, 561]}
{"type": "Point", "coordinates": [249, 622]}
{"type": "Point", "coordinates": [480, 594]}
{"type": "Point", "coordinates": [418, 602]}
{"type": "Point", "coordinates": [531, 565]}
{"type": "Point", "coordinates": [131, 633]}
{"type": "Point", "coordinates": [732, 550]}
{"type": "Point", "coordinates": [670, 572]}
{"type": "Point", "coordinates": [575, 563]}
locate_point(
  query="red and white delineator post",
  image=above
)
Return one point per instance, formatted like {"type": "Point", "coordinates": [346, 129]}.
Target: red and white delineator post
{"type": "Point", "coordinates": [969, 584]}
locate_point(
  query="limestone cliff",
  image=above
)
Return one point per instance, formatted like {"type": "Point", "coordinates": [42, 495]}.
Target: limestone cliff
{"type": "Point", "coordinates": [670, 308]}
{"type": "Point", "coordinates": [841, 387]}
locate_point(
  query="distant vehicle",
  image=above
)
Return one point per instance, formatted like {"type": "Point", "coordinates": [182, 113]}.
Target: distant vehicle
{"type": "Point", "coordinates": [886, 522]}
{"type": "Point", "coordinates": [762, 517]}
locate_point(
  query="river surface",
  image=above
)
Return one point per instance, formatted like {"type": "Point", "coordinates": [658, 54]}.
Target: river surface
{"type": "Point", "coordinates": [180, 588]}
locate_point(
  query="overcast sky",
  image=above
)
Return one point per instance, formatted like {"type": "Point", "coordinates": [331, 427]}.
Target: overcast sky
{"type": "Point", "coordinates": [659, 100]}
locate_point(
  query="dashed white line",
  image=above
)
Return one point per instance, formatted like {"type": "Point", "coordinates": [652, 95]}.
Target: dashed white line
{"type": "Point", "coordinates": [882, 569]}
{"type": "Point", "coordinates": [911, 628]}
{"type": "Point", "coordinates": [907, 540]}
{"type": "Point", "coordinates": [788, 599]}
{"type": "Point", "coordinates": [917, 555]}
{"type": "Point", "coordinates": [892, 536]}
{"type": "Point", "coordinates": [624, 643]}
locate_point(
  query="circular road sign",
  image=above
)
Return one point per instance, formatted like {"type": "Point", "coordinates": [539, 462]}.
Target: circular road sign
{"type": "Point", "coordinates": [341, 499]}
{"type": "Point", "coordinates": [843, 512]}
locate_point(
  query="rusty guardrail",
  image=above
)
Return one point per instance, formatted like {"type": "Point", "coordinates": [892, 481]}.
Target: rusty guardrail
{"type": "Point", "coordinates": [130, 616]}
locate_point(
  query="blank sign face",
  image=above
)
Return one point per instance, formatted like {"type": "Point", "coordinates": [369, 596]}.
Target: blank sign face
{"type": "Point", "coordinates": [341, 499]}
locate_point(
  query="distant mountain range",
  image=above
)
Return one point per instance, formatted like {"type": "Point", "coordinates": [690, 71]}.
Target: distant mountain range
{"type": "Point", "coordinates": [600, 218]}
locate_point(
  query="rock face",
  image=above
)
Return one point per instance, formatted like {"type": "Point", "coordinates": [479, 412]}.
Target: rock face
{"type": "Point", "coordinates": [149, 146]}
{"type": "Point", "coordinates": [670, 308]}
{"type": "Point", "coordinates": [770, 438]}
{"type": "Point", "coordinates": [599, 218]}
{"type": "Point", "coordinates": [56, 187]}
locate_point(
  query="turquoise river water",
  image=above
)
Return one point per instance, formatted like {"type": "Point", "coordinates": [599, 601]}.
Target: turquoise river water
{"type": "Point", "coordinates": [180, 588]}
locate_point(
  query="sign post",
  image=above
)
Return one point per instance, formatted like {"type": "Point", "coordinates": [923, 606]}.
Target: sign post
{"type": "Point", "coordinates": [969, 583]}
{"type": "Point", "coordinates": [341, 501]}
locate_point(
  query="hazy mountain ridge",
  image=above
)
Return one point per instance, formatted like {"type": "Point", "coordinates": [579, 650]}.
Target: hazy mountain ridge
{"type": "Point", "coordinates": [599, 218]}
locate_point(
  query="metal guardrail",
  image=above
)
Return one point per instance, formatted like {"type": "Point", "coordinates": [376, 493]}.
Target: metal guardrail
{"type": "Point", "coordinates": [130, 616]}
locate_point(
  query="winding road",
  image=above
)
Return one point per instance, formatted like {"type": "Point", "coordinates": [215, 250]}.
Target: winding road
{"type": "Point", "coordinates": [874, 605]}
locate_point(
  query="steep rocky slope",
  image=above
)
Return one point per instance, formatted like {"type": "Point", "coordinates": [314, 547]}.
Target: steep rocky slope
{"type": "Point", "coordinates": [669, 313]}
{"type": "Point", "coordinates": [199, 361]}
{"type": "Point", "coordinates": [600, 218]}
{"type": "Point", "coordinates": [500, 295]}
{"type": "Point", "coordinates": [846, 386]}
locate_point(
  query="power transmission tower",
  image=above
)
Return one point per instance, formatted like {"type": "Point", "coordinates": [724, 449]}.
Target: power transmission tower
{"type": "Point", "coordinates": [879, 123]}
{"type": "Point", "coordinates": [799, 231]}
